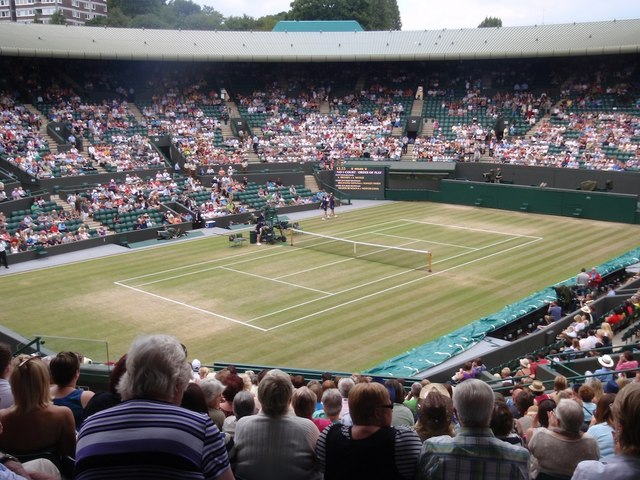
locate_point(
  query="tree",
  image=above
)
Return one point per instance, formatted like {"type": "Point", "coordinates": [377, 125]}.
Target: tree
{"type": "Point", "coordinates": [58, 18]}
{"type": "Point", "coordinates": [371, 14]}
{"type": "Point", "coordinates": [489, 22]}
{"type": "Point", "coordinates": [132, 8]}
{"type": "Point", "coordinates": [183, 8]}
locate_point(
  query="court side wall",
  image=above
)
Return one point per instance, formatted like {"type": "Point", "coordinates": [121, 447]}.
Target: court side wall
{"type": "Point", "coordinates": [606, 206]}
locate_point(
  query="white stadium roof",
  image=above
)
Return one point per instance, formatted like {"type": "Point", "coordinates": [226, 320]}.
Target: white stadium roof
{"type": "Point", "coordinates": [54, 41]}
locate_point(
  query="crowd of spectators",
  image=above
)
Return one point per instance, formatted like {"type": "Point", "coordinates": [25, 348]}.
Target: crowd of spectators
{"type": "Point", "coordinates": [274, 425]}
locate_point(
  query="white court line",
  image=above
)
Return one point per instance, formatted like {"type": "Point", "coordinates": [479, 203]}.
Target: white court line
{"type": "Point", "coordinates": [398, 286]}
{"type": "Point", "coordinates": [186, 305]}
{"type": "Point", "coordinates": [415, 240]}
{"type": "Point", "coordinates": [328, 294]}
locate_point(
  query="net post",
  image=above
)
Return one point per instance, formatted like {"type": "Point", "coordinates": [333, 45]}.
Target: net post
{"type": "Point", "coordinates": [430, 259]}
{"type": "Point", "coordinates": [291, 230]}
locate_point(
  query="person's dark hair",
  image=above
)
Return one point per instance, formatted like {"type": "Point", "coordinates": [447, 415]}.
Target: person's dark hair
{"type": "Point", "coordinates": [244, 404]}
{"type": "Point", "coordinates": [63, 368]}
{"type": "Point", "coordinates": [396, 390]}
{"type": "Point", "coordinates": [544, 407]}
{"type": "Point", "coordinates": [233, 384]}
{"type": "Point", "coordinates": [523, 401]}
{"type": "Point", "coordinates": [603, 412]}
{"type": "Point", "coordinates": [298, 381]}
{"type": "Point", "coordinates": [193, 399]}
{"type": "Point", "coordinates": [628, 355]}
{"type": "Point", "coordinates": [501, 420]}
{"type": "Point", "coordinates": [5, 356]}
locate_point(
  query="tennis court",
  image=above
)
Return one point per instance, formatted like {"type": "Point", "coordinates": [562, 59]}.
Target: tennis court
{"type": "Point", "coordinates": [312, 307]}
{"type": "Point", "coordinates": [321, 273]}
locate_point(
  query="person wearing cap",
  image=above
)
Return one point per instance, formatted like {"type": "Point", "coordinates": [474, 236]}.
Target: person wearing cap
{"type": "Point", "coordinates": [626, 463]}
{"type": "Point", "coordinates": [474, 452]}
{"type": "Point", "coordinates": [605, 373]}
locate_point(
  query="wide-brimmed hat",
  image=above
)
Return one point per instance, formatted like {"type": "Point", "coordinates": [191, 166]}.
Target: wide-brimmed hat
{"type": "Point", "coordinates": [438, 387]}
{"type": "Point", "coordinates": [524, 363]}
{"type": "Point", "coordinates": [605, 361]}
{"type": "Point", "coordinates": [537, 386]}
{"type": "Point", "coordinates": [586, 309]}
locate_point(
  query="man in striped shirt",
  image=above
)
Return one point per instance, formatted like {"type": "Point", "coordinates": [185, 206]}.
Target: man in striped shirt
{"type": "Point", "coordinates": [149, 436]}
{"type": "Point", "coordinates": [474, 453]}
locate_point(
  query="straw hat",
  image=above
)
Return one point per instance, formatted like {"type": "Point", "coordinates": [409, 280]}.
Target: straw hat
{"type": "Point", "coordinates": [537, 386]}
{"type": "Point", "coordinates": [438, 387]}
{"type": "Point", "coordinates": [524, 363]}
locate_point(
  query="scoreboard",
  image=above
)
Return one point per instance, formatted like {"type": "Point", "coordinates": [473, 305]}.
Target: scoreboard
{"type": "Point", "coordinates": [361, 182]}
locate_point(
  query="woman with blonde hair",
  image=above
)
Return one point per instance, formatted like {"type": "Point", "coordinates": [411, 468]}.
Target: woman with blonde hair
{"type": "Point", "coordinates": [33, 424]}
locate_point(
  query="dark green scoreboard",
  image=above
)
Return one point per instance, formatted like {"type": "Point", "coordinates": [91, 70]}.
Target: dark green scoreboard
{"type": "Point", "coordinates": [361, 182]}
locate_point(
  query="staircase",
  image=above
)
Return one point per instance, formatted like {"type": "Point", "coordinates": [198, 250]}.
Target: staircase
{"type": "Point", "coordinates": [64, 206]}
{"type": "Point", "coordinates": [324, 107]}
{"type": "Point", "coordinates": [53, 145]}
{"type": "Point", "coordinates": [427, 128]}
{"type": "Point", "coordinates": [310, 183]}
{"type": "Point", "coordinates": [408, 157]}
{"type": "Point", "coordinates": [416, 108]}
{"type": "Point", "coordinates": [137, 114]}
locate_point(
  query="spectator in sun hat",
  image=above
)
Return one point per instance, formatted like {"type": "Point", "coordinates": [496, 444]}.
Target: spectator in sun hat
{"type": "Point", "coordinates": [524, 373]}
{"type": "Point", "coordinates": [605, 373]}
{"type": "Point", "coordinates": [537, 389]}
{"type": "Point", "coordinates": [195, 365]}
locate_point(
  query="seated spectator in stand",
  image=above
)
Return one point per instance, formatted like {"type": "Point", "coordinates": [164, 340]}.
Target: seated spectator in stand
{"type": "Point", "coordinates": [6, 367]}
{"type": "Point", "coordinates": [347, 451]}
{"type": "Point", "coordinates": [304, 405]}
{"type": "Point", "coordinates": [65, 371]}
{"type": "Point", "coordinates": [558, 450]}
{"type": "Point", "coordinates": [615, 318]}
{"type": "Point", "coordinates": [212, 390]}
{"type": "Point", "coordinates": [39, 469]}
{"type": "Point", "coordinates": [474, 452]}
{"type": "Point", "coordinates": [149, 435]}
{"type": "Point", "coordinates": [33, 423]}
{"type": "Point", "coordinates": [244, 404]}
{"type": "Point", "coordinates": [602, 425]}
{"type": "Point", "coordinates": [233, 384]}
{"type": "Point", "coordinates": [344, 387]}
{"type": "Point", "coordinates": [555, 311]}
{"type": "Point", "coordinates": [542, 419]}
{"type": "Point", "coordinates": [274, 444]}
{"type": "Point", "coordinates": [411, 400]}
{"type": "Point", "coordinates": [401, 415]}
{"type": "Point", "coordinates": [435, 413]}
{"type": "Point", "coordinates": [586, 394]}
{"type": "Point", "coordinates": [524, 373]}
{"type": "Point", "coordinates": [503, 426]}
{"type": "Point", "coordinates": [103, 400]}
{"type": "Point", "coordinates": [626, 463]}
{"type": "Point", "coordinates": [193, 399]}
{"type": "Point", "coordinates": [331, 406]}
{"type": "Point", "coordinates": [626, 362]}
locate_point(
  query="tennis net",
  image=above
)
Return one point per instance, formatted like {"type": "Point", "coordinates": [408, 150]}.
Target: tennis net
{"type": "Point", "coordinates": [398, 256]}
